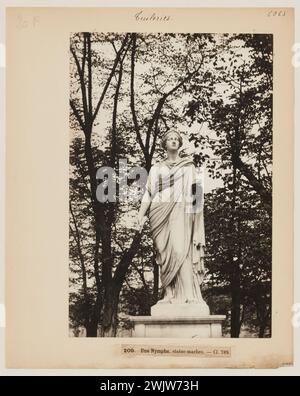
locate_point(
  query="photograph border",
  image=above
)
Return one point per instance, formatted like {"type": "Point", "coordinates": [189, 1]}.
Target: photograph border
{"type": "Point", "coordinates": [42, 257]}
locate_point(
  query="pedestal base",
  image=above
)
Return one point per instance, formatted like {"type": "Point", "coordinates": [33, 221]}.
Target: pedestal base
{"type": "Point", "coordinates": [178, 327]}
{"type": "Point", "coordinates": [180, 310]}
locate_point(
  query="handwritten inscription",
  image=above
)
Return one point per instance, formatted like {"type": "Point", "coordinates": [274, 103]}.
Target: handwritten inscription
{"type": "Point", "coordinates": [276, 13]}
{"type": "Point", "coordinates": [142, 16]}
{"type": "Point", "coordinates": [24, 23]}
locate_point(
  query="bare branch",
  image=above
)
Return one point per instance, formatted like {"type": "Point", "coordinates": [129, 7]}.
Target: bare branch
{"type": "Point", "coordinates": [160, 106]}
{"type": "Point", "coordinates": [82, 84]}
{"type": "Point", "coordinates": [132, 96]}
{"type": "Point", "coordinates": [141, 274]}
{"type": "Point", "coordinates": [77, 115]}
{"type": "Point", "coordinates": [116, 61]}
{"type": "Point", "coordinates": [81, 257]}
{"type": "Point", "coordinates": [90, 79]}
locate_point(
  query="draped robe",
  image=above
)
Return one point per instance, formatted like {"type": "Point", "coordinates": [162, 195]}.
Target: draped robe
{"type": "Point", "coordinates": [177, 227]}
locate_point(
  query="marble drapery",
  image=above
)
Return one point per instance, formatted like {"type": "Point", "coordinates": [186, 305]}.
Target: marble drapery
{"type": "Point", "coordinates": [177, 227]}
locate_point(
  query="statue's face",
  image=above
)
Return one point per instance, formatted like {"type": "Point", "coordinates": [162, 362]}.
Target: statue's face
{"type": "Point", "coordinates": [172, 142]}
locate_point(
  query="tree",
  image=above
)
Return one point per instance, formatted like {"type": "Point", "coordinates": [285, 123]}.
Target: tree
{"type": "Point", "coordinates": [248, 240]}
{"type": "Point", "coordinates": [84, 112]}
{"type": "Point", "coordinates": [239, 112]}
{"type": "Point", "coordinates": [239, 116]}
{"type": "Point", "coordinates": [127, 90]}
{"type": "Point", "coordinates": [147, 126]}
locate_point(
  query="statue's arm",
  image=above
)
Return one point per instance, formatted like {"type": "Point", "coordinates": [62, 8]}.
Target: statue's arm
{"type": "Point", "coordinates": [146, 200]}
{"type": "Point", "coordinates": [145, 203]}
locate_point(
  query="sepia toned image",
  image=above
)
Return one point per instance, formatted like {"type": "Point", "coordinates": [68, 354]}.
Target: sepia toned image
{"type": "Point", "coordinates": [170, 185]}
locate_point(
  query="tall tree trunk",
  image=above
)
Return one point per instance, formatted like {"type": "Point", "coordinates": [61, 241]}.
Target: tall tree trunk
{"type": "Point", "coordinates": [93, 323]}
{"type": "Point", "coordinates": [113, 289]}
{"type": "Point", "coordinates": [262, 329]}
{"type": "Point", "coordinates": [110, 312]}
{"type": "Point", "coordinates": [236, 145]}
{"type": "Point", "coordinates": [234, 263]}
{"type": "Point", "coordinates": [236, 302]}
{"type": "Point", "coordinates": [263, 314]}
{"type": "Point", "coordinates": [92, 329]}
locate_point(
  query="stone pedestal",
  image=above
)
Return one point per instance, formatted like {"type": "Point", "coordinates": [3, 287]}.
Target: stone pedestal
{"type": "Point", "coordinates": [180, 310]}
{"type": "Point", "coordinates": [178, 321]}
{"type": "Point", "coordinates": [178, 327]}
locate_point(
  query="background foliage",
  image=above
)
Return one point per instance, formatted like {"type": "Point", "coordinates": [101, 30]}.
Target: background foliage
{"type": "Point", "coordinates": [126, 91]}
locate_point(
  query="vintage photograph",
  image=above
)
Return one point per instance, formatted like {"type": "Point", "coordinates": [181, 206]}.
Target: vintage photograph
{"type": "Point", "coordinates": [170, 185]}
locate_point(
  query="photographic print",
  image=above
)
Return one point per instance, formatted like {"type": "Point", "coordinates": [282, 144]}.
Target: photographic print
{"type": "Point", "coordinates": [153, 149]}
{"type": "Point", "coordinates": [170, 185]}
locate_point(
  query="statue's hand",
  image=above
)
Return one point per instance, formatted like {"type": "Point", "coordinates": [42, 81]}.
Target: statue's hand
{"type": "Point", "coordinates": [141, 221]}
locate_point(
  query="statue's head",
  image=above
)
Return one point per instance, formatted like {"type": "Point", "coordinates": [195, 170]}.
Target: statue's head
{"type": "Point", "coordinates": [171, 140]}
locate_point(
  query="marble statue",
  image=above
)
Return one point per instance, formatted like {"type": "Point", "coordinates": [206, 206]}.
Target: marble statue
{"type": "Point", "coordinates": [173, 202]}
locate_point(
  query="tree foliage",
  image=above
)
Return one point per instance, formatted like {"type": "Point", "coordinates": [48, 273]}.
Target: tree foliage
{"type": "Point", "coordinates": [126, 91]}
